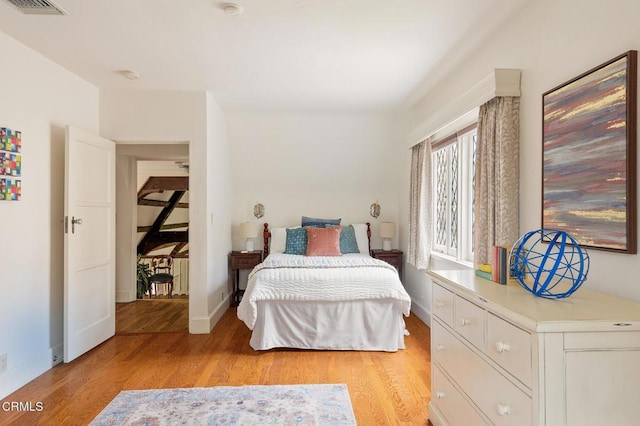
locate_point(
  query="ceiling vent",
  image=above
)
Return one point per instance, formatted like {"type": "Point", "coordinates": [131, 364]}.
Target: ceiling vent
{"type": "Point", "coordinates": [37, 7]}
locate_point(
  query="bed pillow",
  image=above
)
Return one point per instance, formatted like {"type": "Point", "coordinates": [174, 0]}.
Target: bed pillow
{"type": "Point", "coordinates": [296, 241]}
{"type": "Point", "coordinates": [361, 237]}
{"type": "Point", "coordinates": [323, 241]}
{"type": "Point", "coordinates": [278, 241]}
{"type": "Point", "coordinates": [319, 223]}
{"type": "Point", "coordinates": [348, 242]}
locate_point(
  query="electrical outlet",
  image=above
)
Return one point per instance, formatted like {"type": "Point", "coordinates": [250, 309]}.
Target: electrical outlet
{"type": "Point", "coordinates": [3, 363]}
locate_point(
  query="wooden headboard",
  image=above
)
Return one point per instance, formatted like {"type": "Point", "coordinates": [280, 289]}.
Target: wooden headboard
{"type": "Point", "coordinates": [266, 235]}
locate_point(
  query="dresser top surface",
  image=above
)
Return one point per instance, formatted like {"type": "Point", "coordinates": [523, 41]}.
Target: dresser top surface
{"type": "Point", "coordinates": [581, 311]}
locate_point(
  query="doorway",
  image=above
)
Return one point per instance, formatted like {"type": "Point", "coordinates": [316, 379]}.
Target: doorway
{"type": "Point", "coordinates": [153, 203]}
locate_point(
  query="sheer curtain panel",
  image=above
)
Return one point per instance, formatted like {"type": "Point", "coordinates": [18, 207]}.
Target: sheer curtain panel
{"type": "Point", "coordinates": [420, 211]}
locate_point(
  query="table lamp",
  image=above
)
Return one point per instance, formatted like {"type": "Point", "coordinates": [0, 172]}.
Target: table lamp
{"type": "Point", "coordinates": [387, 231]}
{"type": "Point", "coordinates": [248, 231]}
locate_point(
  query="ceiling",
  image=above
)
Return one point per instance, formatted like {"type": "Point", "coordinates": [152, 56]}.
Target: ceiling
{"type": "Point", "coordinates": [278, 54]}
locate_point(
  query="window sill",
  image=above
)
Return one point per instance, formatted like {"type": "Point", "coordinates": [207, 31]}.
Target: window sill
{"type": "Point", "coordinates": [443, 261]}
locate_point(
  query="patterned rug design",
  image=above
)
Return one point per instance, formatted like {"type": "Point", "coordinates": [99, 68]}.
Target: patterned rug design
{"type": "Point", "coordinates": [231, 405]}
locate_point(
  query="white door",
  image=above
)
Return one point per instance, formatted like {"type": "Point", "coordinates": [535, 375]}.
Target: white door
{"type": "Point", "coordinates": [89, 242]}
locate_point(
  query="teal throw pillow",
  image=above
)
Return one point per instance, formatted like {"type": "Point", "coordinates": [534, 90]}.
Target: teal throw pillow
{"type": "Point", "coordinates": [348, 242]}
{"type": "Point", "coordinates": [296, 241]}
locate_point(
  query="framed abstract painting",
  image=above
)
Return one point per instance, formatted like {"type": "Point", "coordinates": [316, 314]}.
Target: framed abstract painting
{"type": "Point", "coordinates": [10, 164]}
{"type": "Point", "coordinates": [589, 156]}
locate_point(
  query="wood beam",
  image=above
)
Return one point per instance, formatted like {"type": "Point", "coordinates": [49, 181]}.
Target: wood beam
{"type": "Point", "coordinates": [163, 239]}
{"type": "Point", "coordinates": [160, 203]}
{"type": "Point", "coordinates": [165, 227]}
{"type": "Point", "coordinates": [176, 250]}
{"type": "Point", "coordinates": [144, 244]}
{"type": "Point", "coordinates": [163, 183]}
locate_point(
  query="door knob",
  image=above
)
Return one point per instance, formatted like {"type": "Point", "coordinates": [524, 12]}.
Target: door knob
{"type": "Point", "coordinates": [75, 222]}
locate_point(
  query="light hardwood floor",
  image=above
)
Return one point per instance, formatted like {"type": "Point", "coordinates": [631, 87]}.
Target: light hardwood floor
{"type": "Point", "coordinates": [152, 315]}
{"type": "Point", "coordinates": [385, 388]}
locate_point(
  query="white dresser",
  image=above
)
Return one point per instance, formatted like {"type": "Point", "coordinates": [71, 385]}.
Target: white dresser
{"type": "Point", "coordinates": [503, 356]}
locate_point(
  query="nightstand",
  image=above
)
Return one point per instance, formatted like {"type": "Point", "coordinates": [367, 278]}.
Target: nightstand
{"type": "Point", "coordinates": [392, 257]}
{"type": "Point", "coordinates": [239, 260]}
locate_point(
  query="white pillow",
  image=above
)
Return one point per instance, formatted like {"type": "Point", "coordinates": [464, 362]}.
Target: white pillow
{"type": "Point", "coordinates": [361, 237]}
{"type": "Point", "coordinates": [278, 241]}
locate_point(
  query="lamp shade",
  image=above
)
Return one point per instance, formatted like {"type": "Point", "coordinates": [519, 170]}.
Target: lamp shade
{"type": "Point", "coordinates": [387, 230]}
{"type": "Point", "coordinates": [248, 230]}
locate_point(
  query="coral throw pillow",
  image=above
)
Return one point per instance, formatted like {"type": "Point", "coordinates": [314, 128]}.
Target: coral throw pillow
{"type": "Point", "coordinates": [323, 241]}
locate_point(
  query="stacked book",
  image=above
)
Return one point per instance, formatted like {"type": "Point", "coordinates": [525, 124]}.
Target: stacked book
{"type": "Point", "coordinates": [497, 272]}
{"type": "Point", "coordinates": [500, 264]}
{"type": "Point", "coordinates": [484, 271]}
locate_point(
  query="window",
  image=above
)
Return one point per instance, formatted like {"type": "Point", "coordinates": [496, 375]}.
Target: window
{"type": "Point", "coordinates": [453, 168]}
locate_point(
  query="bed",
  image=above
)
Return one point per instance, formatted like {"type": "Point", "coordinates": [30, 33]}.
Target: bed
{"type": "Point", "coordinates": [349, 301]}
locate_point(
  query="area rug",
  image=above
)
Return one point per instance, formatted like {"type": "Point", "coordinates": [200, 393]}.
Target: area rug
{"type": "Point", "coordinates": [232, 405]}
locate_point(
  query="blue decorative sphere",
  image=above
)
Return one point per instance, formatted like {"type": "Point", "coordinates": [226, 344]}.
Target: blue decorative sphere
{"type": "Point", "coordinates": [549, 263]}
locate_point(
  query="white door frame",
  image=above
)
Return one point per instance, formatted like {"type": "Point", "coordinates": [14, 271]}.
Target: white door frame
{"type": "Point", "coordinates": [127, 154]}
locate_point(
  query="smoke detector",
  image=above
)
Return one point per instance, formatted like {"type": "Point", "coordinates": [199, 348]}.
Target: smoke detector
{"type": "Point", "coordinates": [37, 7]}
{"type": "Point", "coordinates": [232, 9]}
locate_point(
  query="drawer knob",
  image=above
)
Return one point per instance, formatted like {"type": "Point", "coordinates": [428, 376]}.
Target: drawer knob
{"type": "Point", "coordinates": [464, 321]}
{"type": "Point", "coordinates": [503, 409]}
{"type": "Point", "coordinates": [439, 347]}
{"type": "Point", "coordinates": [440, 395]}
{"type": "Point", "coordinates": [439, 304]}
{"type": "Point", "coordinates": [502, 347]}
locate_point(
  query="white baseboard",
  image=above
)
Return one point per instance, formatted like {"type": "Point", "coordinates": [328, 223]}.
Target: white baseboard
{"type": "Point", "coordinates": [421, 312]}
{"type": "Point", "coordinates": [199, 326]}
{"type": "Point", "coordinates": [57, 354]}
{"type": "Point", "coordinates": [219, 311]}
{"type": "Point", "coordinates": [124, 296]}
{"type": "Point", "coordinates": [205, 325]}
{"type": "Point", "coordinates": [27, 370]}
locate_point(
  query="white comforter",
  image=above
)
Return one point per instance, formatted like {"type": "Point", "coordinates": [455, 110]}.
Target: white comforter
{"type": "Point", "coordinates": [315, 279]}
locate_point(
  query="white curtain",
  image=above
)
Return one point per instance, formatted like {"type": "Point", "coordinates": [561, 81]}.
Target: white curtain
{"type": "Point", "coordinates": [420, 202]}
{"type": "Point", "coordinates": [497, 177]}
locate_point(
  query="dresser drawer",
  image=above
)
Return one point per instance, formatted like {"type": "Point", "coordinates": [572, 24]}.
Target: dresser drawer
{"type": "Point", "coordinates": [451, 404]}
{"type": "Point", "coordinates": [246, 261]}
{"type": "Point", "coordinates": [469, 321]}
{"type": "Point", "coordinates": [499, 399]}
{"type": "Point", "coordinates": [443, 304]}
{"type": "Point", "coordinates": [510, 347]}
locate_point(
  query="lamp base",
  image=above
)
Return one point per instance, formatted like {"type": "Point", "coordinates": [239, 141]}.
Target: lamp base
{"type": "Point", "coordinates": [386, 244]}
{"type": "Point", "coordinates": [248, 244]}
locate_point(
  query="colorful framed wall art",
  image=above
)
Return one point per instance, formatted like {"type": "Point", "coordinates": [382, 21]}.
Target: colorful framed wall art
{"type": "Point", "coordinates": [10, 164]}
{"type": "Point", "coordinates": [589, 156]}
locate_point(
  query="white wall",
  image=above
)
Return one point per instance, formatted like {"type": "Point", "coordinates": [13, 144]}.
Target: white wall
{"type": "Point", "coordinates": [38, 98]}
{"type": "Point", "coordinates": [218, 216]}
{"type": "Point", "coordinates": [126, 227]}
{"type": "Point", "coordinates": [196, 118]}
{"type": "Point", "coordinates": [551, 41]}
{"type": "Point", "coordinates": [329, 165]}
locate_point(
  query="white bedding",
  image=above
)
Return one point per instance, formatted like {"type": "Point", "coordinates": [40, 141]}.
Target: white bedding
{"type": "Point", "coordinates": [347, 292]}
